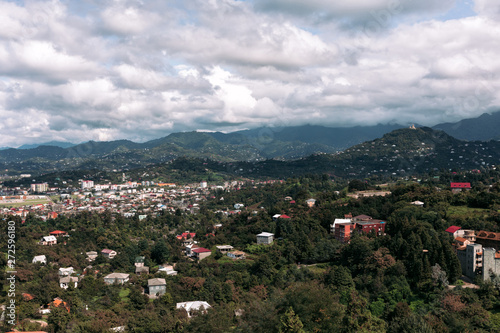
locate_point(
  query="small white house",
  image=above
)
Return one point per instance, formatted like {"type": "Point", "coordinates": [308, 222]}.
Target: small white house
{"type": "Point", "coordinates": [42, 259]}
{"type": "Point", "coordinates": [193, 308]}
{"type": "Point", "coordinates": [265, 238]}
{"type": "Point", "coordinates": [48, 240]}
{"type": "Point", "coordinates": [120, 278]}
{"type": "Point", "coordinates": [224, 248]}
{"type": "Point", "coordinates": [66, 281]}
{"type": "Point", "coordinates": [107, 253]}
{"type": "Point", "coordinates": [168, 269]}
{"type": "Point", "coordinates": [238, 206]}
{"type": "Point", "coordinates": [66, 271]}
{"type": "Point", "coordinates": [91, 255]}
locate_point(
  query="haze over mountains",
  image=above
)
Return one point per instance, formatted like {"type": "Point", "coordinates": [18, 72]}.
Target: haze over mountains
{"type": "Point", "coordinates": [485, 127]}
{"type": "Point", "coordinates": [256, 145]}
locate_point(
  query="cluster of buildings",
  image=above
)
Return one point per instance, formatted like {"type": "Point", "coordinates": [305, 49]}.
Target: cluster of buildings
{"type": "Point", "coordinates": [343, 228]}
{"type": "Point", "coordinates": [477, 252]}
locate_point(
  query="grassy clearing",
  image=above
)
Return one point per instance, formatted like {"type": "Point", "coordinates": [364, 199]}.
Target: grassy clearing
{"type": "Point", "coordinates": [464, 211]}
{"type": "Point", "coordinates": [124, 294]}
{"type": "Point", "coordinates": [24, 203]}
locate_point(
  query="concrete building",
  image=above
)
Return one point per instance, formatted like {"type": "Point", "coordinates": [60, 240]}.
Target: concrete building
{"type": "Point", "coordinates": [41, 187]}
{"type": "Point", "coordinates": [471, 259]}
{"type": "Point", "coordinates": [48, 240]}
{"type": "Point", "coordinates": [343, 231]}
{"type": "Point", "coordinates": [120, 278]}
{"type": "Point", "coordinates": [42, 259]}
{"type": "Point", "coordinates": [266, 238]}
{"type": "Point", "coordinates": [201, 253]}
{"type": "Point", "coordinates": [107, 253]}
{"type": "Point", "coordinates": [491, 263]}
{"type": "Point", "coordinates": [157, 287]}
{"type": "Point", "coordinates": [236, 254]}
{"type": "Point", "coordinates": [66, 271]}
{"type": "Point", "coordinates": [66, 281]}
{"type": "Point", "coordinates": [87, 184]}
{"type": "Point", "coordinates": [224, 248]}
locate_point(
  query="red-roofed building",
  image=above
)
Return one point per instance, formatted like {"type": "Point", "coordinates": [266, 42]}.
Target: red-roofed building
{"type": "Point", "coordinates": [107, 253]}
{"type": "Point", "coordinates": [453, 230]}
{"type": "Point", "coordinates": [27, 297]}
{"type": "Point", "coordinates": [58, 233]}
{"type": "Point", "coordinates": [285, 216]}
{"type": "Point", "coordinates": [457, 187]}
{"type": "Point", "coordinates": [186, 235]}
{"type": "Point", "coordinates": [201, 253]}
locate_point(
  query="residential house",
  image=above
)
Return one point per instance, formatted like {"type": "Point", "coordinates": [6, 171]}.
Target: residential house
{"type": "Point", "coordinates": [190, 248]}
{"type": "Point", "coordinates": [224, 248]}
{"type": "Point", "coordinates": [236, 254]}
{"type": "Point", "coordinates": [66, 271]}
{"type": "Point", "coordinates": [454, 231]}
{"type": "Point", "coordinates": [139, 261]}
{"type": "Point", "coordinates": [201, 253]}
{"type": "Point", "coordinates": [107, 253]}
{"type": "Point", "coordinates": [27, 297]}
{"type": "Point", "coordinates": [458, 187]}
{"type": "Point", "coordinates": [42, 259]}
{"type": "Point", "coordinates": [311, 202]}
{"type": "Point", "coordinates": [91, 255]}
{"type": "Point", "coordinates": [142, 270]}
{"type": "Point", "coordinates": [59, 233]}
{"type": "Point", "coordinates": [120, 278]}
{"type": "Point", "coordinates": [168, 269]}
{"type": "Point", "coordinates": [48, 240]}
{"type": "Point", "coordinates": [56, 303]}
{"type": "Point", "coordinates": [417, 203]}
{"type": "Point", "coordinates": [280, 216]}
{"type": "Point", "coordinates": [66, 281]}
{"type": "Point", "coordinates": [266, 238]}
{"type": "Point", "coordinates": [186, 238]}
{"type": "Point", "coordinates": [194, 308]}
{"type": "Point", "coordinates": [157, 287]}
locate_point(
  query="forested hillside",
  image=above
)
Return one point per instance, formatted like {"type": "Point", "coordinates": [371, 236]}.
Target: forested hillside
{"type": "Point", "coordinates": [306, 281]}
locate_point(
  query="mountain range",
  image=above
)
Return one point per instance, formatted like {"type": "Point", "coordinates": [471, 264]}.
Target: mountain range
{"type": "Point", "coordinates": [256, 145]}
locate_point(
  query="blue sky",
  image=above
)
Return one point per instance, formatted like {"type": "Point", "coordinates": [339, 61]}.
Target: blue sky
{"type": "Point", "coordinates": [141, 69]}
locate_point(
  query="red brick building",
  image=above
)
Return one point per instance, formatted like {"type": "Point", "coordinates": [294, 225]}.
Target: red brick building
{"type": "Point", "coordinates": [362, 224]}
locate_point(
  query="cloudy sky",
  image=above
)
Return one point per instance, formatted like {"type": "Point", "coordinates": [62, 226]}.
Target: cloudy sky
{"type": "Point", "coordinates": [78, 70]}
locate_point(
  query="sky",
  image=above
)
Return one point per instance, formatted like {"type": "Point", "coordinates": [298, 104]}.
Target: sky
{"type": "Point", "coordinates": [79, 70]}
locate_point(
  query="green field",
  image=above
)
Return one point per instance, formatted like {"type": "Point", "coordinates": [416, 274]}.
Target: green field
{"type": "Point", "coordinates": [24, 203]}
{"type": "Point", "coordinates": [464, 211]}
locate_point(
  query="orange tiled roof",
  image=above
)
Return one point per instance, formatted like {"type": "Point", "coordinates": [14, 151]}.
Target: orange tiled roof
{"type": "Point", "coordinates": [27, 297]}
{"type": "Point", "coordinates": [488, 235]}
{"type": "Point", "coordinates": [57, 302]}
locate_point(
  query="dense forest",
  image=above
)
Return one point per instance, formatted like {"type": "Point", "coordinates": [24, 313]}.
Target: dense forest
{"type": "Point", "coordinates": [407, 280]}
